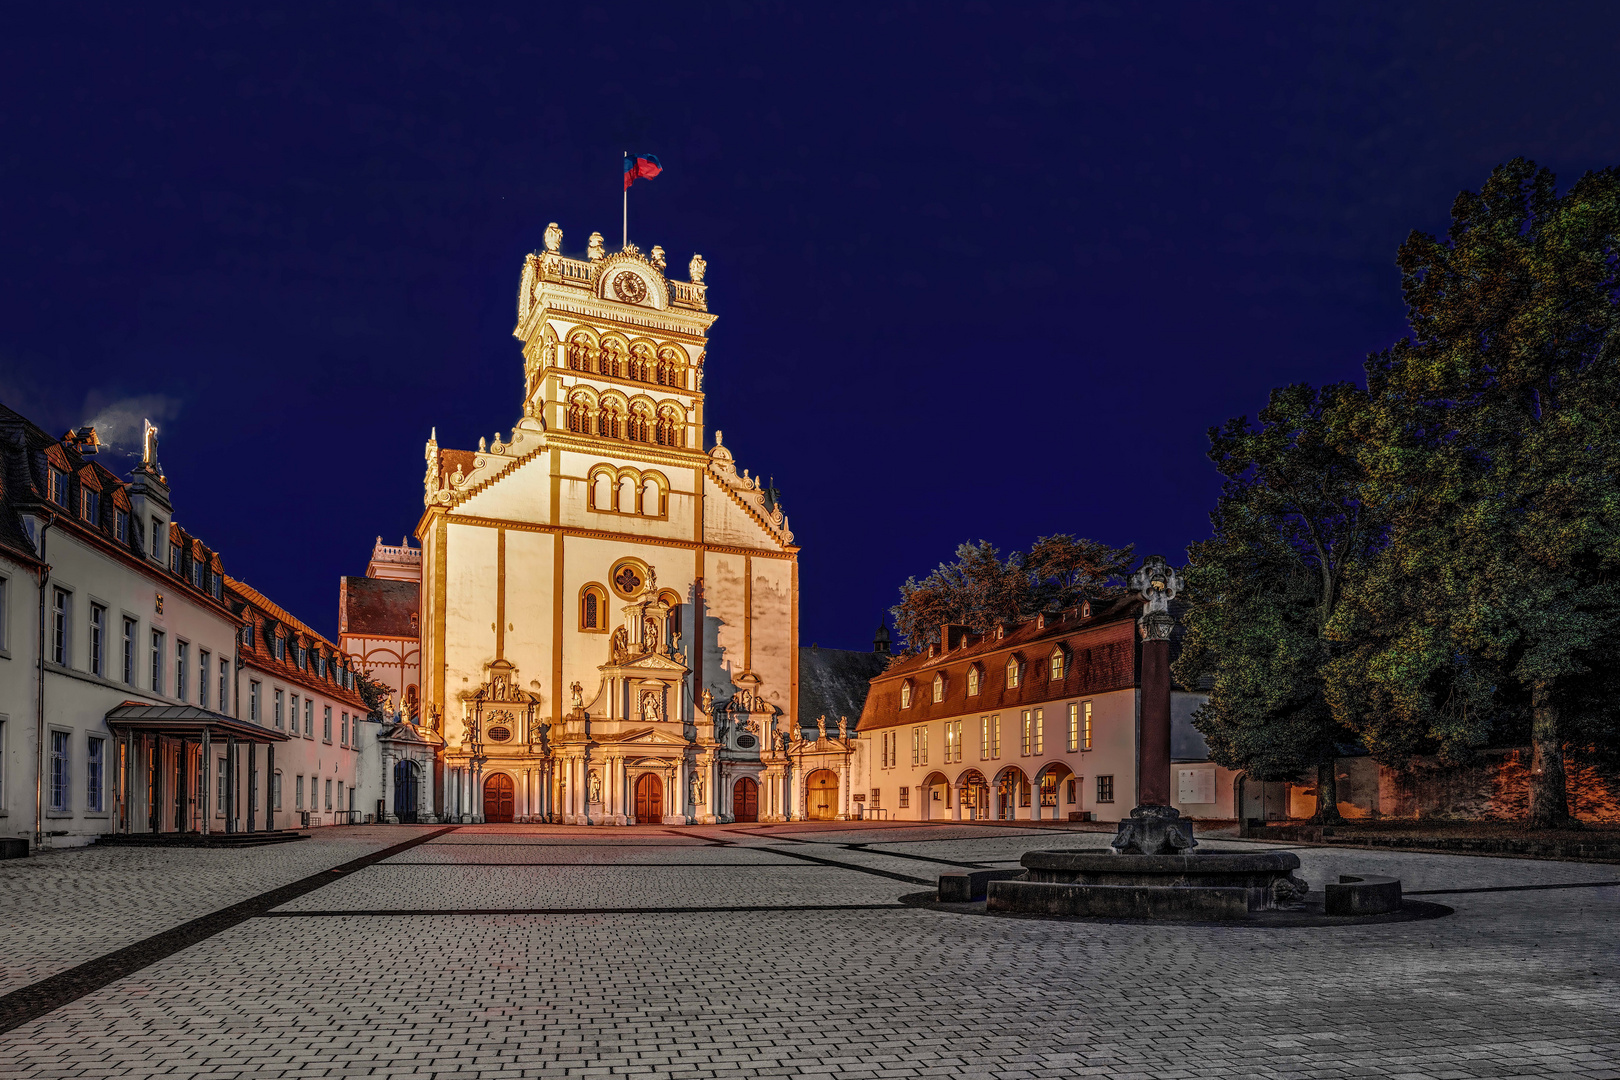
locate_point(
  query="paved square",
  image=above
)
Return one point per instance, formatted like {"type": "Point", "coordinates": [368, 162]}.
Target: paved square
{"type": "Point", "coordinates": [782, 951]}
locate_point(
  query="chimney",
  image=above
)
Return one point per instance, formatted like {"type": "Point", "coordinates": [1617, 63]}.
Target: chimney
{"type": "Point", "coordinates": [950, 636]}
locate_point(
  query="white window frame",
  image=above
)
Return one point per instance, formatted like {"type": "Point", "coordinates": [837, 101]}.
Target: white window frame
{"type": "Point", "coordinates": [939, 686]}
{"type": "Point", "coordinates": [98, 639]}
{"type": "Point", "coordinates": [95, 775]}
{"type": "Point", "coordinates": [255, 689]}
{"type": "Point", "coordinates": [59, 795]}
{"type": "Point", "coordinates": [159, 649]}
{"type": "Point", "coordinates": [182, 650]}
{"type": "Point", "coordinates": [1014, 673]}
{"type": "Point", "coordinates": [205, 671]}
{"type": "Point", "coordinates": [132, 645]}
{"type": "Point", "coordinates": [61, 626]}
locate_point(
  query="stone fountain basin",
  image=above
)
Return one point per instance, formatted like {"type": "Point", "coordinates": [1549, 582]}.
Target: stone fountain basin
{"type": "Point", "coordinates": [1245, 879]}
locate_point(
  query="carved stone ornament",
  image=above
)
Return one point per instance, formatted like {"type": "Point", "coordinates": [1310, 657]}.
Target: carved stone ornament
{"type": "Point", "coordinates": [1157, 583]}
{"type": "Point", "coordinates": [553, 238]}
{"type": "Point", "coordinates": [696, 269]}
{"type": "Point", "coordinates": [1154, 830]}
{"type": "Point", "coordinates": [576, 694]}
{"type": "Point", "coordinates": [594, 249]}
{"type": "Point", "coordinates": [657, 257]}
{"type": "Point", "coordinates": [629, 287]}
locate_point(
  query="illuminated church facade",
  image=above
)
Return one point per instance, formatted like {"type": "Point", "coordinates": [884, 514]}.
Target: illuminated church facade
{"type": "Point", "coordinates": [609, 607]}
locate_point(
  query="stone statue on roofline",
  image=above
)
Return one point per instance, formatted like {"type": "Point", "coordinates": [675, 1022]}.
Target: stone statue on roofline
{"type": "Point", "coordinates": [554, 237]}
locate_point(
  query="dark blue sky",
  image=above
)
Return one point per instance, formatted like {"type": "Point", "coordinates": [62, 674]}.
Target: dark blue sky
{"type": "Point", "coordinates": [981, 271]}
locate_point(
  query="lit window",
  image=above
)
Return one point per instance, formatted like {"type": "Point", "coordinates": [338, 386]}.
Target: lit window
{"type": "Point", "coordinates": [1049, 789]}
{"type": "Point", "coordinates": [939, 686]}
{"type": "Point", "coordinates": [1057, 664]}
{"type": "Point", "coordinates": [1033, 722]}
{"type": "Point", "coordinates": [919, 746]}
{"type": "Point", "coordinates": [905, 695]}
{"type": "Point", "coordinates": [973, 681]}
{"type": "Point", "coordinates": [1012, 672]}
{"type": "Point", "coordinates": [953, 741]}
{"type": "Point", "coordinates": [989, 738]}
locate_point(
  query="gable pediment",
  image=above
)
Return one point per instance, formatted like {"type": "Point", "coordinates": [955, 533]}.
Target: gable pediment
{"type": "Point", "coordinates": [650, 736]}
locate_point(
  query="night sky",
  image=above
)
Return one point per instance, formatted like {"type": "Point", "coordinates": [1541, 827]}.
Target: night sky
{"type": "Point", "coordinates": [984, 271]}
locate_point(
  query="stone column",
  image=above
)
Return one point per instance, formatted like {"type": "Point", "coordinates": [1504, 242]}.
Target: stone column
{"type": "Point", "coordinates": [252, 783]}
{"type": "Point", "coordinates": [207, 784]}
{"type": "Point", "coordinates": [230, 784]}
{"type": "Point", "coordinates": [1157, 583]}
{"type": "Point", "coordinates": [270, 787]}
{"type": "Point", "coordinates": [387, 765]}
{"type": "Point", "coordinates": [1035, 797]}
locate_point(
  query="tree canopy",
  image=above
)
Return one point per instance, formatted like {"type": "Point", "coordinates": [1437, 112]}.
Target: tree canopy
{"type": "Point", "coordinates": [980, 589]}
{"type": "Point", "coordinates": [1289, 529]}
{"type": "Point", "coordinates": [1491, 444]}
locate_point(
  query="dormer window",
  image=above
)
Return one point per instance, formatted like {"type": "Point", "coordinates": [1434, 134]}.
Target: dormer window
{"type": "Point", "coordinates": [197, 574]}
{"type": "Point", "coordinates": [59, 487]}
{"type": "Point", "coordinates": [279, 649]}
{"type": "Point", "coordinates": [905, 694]}
{"type": "Point", "coordinates": [121, 526]}
{"type": "Point", "coordinates": [1059, 665]}
{"type": "Point", "coordinates": [974, 675]}
{"type": "Point", "coordinates": [303, 658]}
{"type": "Point", "coordinates": [218, 585]}
{"type": "Point", "coordinates": [939, 686]}
{"type": "Point", "coordinates": [1014, 670]}
{"type": "Point", "coordinates": [90, 506]}
{"type": "Point", "coordinates": [174, 559]}
{"type": "Point", "coordinates": [247, 636]}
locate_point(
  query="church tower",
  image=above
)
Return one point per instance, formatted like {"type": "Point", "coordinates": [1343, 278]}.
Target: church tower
{"type": "Point", "coordinates": [609, 610]}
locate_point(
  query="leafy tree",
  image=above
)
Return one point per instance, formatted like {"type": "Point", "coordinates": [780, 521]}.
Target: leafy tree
{"type": "Point", "coordinates": [979, 590]}
{"type": "Point", "coordinates": [1290, 529]}
{"type": "Point", "coordinates": [374, 694]}
{"type": "Point", "coordinates": [1491, 445]}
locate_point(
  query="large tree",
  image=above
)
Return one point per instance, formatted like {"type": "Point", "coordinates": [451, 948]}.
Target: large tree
{"type": "Point", "coordinates": [1290, 528]}
{"type": "Point", "coordinates": [980, 590]}
{"type": "Point", "coordinates": [1492, 443]}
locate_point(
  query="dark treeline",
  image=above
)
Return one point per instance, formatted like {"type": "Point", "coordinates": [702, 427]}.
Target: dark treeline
{"type": "Point", "coordinates": [1432, 564]}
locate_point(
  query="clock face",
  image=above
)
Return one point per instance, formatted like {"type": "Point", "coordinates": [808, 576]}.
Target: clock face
{"type": "Point", "coordinates": [629, 287]}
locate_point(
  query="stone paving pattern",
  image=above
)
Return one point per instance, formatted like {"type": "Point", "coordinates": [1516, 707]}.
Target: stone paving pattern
{"type": "Point", "coordinates": [1523, 983]}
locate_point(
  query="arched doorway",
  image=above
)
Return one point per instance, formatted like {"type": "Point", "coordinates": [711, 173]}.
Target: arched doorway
{"type": "Point", "coordinates": [649, 799]}
{"type": "Point", "coordinates": [498, 801]}
{"type": "Point", "coordinates": [1012, 790]}
{"type": "Point", "coordinates": [975, 795]}
{"type": "Point", "coordinates": [821, 795]}
{"type": "Point", "coordinates": [745, 800]}
{"type": "Point", "coordinates": [934, 795]}
{"type": "Point", "coordinates": [406, 792]}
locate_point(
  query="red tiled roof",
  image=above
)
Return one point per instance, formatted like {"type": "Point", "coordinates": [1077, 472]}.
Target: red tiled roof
{"type": "Point", "coordinates": [379, 607]}
{"type": "Point", "coordinates": [1101, 656]}
{"type": "Point", "coordinates": [259, 609]}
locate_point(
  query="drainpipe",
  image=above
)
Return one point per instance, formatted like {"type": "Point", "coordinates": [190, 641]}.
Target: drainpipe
{"type": "Point", "coordinates": [39, 720]}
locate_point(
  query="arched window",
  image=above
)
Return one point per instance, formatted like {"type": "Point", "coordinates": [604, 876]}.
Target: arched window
{"type": "Point", "coordinates": [640, 423]}
{"type": "Point", "coordinates": [973, 681]}
{"type": "Point", "coordinates": [670, 430]}
{"type": "Point", "coordinates": [905, 694]}
{"type": "Point", "coordinates": [612, 358]}
{"type": "Point", "coordinates": [579, 414]}
{"type": "Point", "coordinates": [651, 500]}
{"type": "Point", "coordinates": [627, 495]}
{"type": "Point", "coordinates": [579, 352]}
{"type": "Point", "coordinates": [670, 368]}
{"type": "Point", "coordinates": [609, 421]}
{"type": "Point", "coordinates": [592, 608]}
{"type": "Point", "coordinates": [602, 490]}
{"type": "Point", "coordinates": [642, 367]}
{"type": "Point", "coordinates": [939, 686]}
{"type": "Point", "coordinates": [1013, 671]}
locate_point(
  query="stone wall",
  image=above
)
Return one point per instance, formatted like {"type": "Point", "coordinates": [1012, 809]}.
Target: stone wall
{"type": "Point", "coordinates": [1493, 788]}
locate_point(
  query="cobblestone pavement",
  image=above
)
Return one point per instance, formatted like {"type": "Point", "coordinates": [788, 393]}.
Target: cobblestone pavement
{"type": "Point", "coordinates": [735, 951]}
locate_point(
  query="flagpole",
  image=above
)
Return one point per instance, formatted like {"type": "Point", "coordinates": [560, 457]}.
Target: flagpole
{"type": "Point", "coordinates": [626, 240]}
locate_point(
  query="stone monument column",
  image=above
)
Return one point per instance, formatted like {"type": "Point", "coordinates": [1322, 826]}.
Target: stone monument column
{"type": "Point", "coordinates": [1158, 584]}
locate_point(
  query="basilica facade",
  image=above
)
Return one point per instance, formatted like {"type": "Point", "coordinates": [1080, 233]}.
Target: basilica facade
{"type": "Point", "coordinates": [609, 607]}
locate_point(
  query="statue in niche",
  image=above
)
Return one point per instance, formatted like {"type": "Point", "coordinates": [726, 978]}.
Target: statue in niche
{"type": "Point", "coordinates": [593, 787]}
{"type": "Point", "coordinates": [651, 711]}
{"type": "Point", "coordinates": [619, 645]}
{"type": "Point", "coordinates": [694, 788]}
{"type": "Point", "coordinates": [553, 238]}
{"type": "Point", "coordinates": [649, 634]}
{"type": "Point", "coordinates": [576, 693]}
{"type": "Point", "coordinates": [696, 269]}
